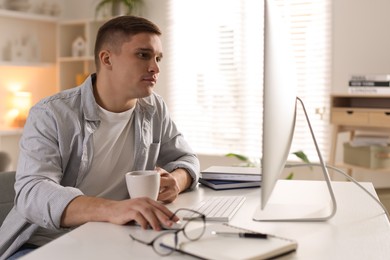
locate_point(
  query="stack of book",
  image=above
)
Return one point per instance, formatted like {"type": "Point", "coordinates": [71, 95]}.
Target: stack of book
{"type": "Point", "coordinates": [369, 84]}
{"type": "Point", "coordinates": [221, 177]}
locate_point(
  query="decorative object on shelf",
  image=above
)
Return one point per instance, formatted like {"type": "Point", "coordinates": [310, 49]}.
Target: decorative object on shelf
{"type": "Point", "coordinates": [46, 8]}
{"type": "Point", "coordinates": [118, 7]}
{"type": "Point", "coordinates": [6, 51]}
{"type": "Point", "coordinates": [34, 48]}
{"type": "Point", "coordinates": [17, 5]}
{"type": "Point", "coordinates": [25, 48]}
{"type": "Point", "coordinates": [3, 49]}
{"type": "Point", "coordinates": [80, 77]}
{"type": "Point", "coordinates": [19, 50]}
{"type": "Point", "coordinates": [55, 9]}
{"type": "Point", "coordinates": [78, 47]}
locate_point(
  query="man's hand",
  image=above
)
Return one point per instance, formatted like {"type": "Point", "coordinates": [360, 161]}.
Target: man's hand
{"type": "Point", "coordinates": [145, 211]}
{"type": "Point", "coordinates": [171, 184]}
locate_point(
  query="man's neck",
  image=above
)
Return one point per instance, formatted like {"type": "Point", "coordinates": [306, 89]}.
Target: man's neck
{"type": "Point", "coordinates": [109, 100]}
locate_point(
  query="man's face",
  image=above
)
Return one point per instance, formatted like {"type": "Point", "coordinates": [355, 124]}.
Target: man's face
{"type": "Point", "coordinates": [135, 68]}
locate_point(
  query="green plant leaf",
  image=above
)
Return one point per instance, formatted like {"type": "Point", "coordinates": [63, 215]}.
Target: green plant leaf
{"type": "Point", "coordinates": [301, 155]}
{"type": "Point", "coordinates": [238, 156]}
{"type": "Point", "coordinates": [101, 4]}
{"type": "Point", "coordinates": [290, 176]}
{"type": "Point", "coordinates": [130, 4]}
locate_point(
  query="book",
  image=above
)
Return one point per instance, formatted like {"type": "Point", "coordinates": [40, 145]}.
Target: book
{"type": "Point", "coordinates": [224, 185]}
{"type": "Point", "coordinates": [371, 77]}
{"type": "Point", "coordinates": [233, 173]}
{"type": "Point", "coordinates": [211, 246]}
{"type": "Point", "coordinates": [366, 83]}
{"type": "Point", "coordinates": [369, 90]}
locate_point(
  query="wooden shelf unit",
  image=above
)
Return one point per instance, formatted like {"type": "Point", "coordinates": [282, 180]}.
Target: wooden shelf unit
{"type": "Point", "coordinates": [32, 33]}
{"type": "Point", "coordinates": [351, 113]}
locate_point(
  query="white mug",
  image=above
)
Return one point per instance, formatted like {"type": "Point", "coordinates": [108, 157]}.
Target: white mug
{"type": "Point", "coordinates": [143, 184]}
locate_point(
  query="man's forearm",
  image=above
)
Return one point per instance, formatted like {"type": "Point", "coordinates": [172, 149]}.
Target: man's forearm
{"type": "Point", "coordinates": [84, 209]}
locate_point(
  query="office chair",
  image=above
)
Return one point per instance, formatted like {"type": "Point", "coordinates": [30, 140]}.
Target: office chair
{"type": "Point", "coordinates": [5, 161]}
{"type": "Point", "coordinates": [7, 193]}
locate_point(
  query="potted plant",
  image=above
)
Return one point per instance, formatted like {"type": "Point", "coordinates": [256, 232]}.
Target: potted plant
{"type": "Point", "coordinates": [130, 6]}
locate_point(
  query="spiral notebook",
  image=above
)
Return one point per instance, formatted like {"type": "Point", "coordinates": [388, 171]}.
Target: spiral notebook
{"type": "Point", "coordinates": [212, 246]}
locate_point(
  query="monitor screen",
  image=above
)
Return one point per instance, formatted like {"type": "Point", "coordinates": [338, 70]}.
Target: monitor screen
{"type": "Point", "coordinates": [279, 115]}
{"type": "Point", "coordinates": [279, 105]}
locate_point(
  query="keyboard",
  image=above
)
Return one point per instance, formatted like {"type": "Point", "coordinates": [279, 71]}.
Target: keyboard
{"type": "Point", "coordinates": [220, 208]}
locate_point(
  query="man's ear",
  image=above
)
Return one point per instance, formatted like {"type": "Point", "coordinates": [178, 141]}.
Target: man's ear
{"type": "Point", "coordinates": [105, 58]}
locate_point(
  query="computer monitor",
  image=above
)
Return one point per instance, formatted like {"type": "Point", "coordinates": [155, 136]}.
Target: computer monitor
{"type": "Point", "coordinates": [279, 116]}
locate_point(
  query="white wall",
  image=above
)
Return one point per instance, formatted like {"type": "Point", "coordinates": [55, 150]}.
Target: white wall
{"type": "Point", "coordinates": [361, 40]}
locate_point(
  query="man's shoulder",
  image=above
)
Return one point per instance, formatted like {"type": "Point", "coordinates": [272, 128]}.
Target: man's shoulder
{"type": "Point", "coordinates": [64, 96]}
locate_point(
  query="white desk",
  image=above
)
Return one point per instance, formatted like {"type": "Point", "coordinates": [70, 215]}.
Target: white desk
{"type": "Point", "coordinates": [359, 230]}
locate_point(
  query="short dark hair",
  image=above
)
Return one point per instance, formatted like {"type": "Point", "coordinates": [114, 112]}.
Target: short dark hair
{"type": "Point", "coordinates": [119, 29]}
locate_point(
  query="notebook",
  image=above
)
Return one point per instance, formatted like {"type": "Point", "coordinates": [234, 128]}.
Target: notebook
{"type": "Point", "coordinates": [224, 185]}
{"type": "Point", "coordinates": [212, 246]}
{"type": "Point", "coordinates": [232, 173]}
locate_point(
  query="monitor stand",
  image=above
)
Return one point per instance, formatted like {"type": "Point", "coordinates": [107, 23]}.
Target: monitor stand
{"type": "Point", "coordinates": [300, 200]}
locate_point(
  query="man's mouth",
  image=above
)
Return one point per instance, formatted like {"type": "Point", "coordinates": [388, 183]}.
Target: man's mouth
{"type": "Point", "coordinates": [150, 79]}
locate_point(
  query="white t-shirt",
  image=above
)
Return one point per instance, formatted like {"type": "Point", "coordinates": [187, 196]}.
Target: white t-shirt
{"type": "Point", "coordinates": [112, 156]}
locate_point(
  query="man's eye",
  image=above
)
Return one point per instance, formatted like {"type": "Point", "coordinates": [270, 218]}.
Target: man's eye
{"type": "Point", "coordinates": [143, 55]}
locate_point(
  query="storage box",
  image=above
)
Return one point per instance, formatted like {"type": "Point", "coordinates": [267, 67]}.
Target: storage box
{"type": "Point", "coordinates": [373, 156]}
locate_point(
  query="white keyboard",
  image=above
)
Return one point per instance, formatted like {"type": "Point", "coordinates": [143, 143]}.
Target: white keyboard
{"type": "Point", "coordinates": [220, 208]}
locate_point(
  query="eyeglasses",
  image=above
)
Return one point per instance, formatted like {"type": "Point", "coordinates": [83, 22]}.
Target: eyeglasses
{"type": "Point", "coordinates": [162, 244]}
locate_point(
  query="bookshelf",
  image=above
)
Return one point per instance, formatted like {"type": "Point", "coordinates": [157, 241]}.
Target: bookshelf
{"type": "Point", "coordinates": [30, 41]}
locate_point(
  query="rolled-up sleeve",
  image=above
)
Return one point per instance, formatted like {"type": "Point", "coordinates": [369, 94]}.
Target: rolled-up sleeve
{"type": "Point", "coordinates": [40, 196]}
{"type": "Point", "coordinates": [175, 151]}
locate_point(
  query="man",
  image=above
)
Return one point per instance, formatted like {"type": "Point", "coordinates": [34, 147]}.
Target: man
{"type": "Point", "coordinates": [78, 144]}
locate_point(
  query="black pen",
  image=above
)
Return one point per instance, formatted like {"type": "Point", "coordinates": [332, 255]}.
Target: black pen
{"type": "Point", "coordinates": [241, 234]}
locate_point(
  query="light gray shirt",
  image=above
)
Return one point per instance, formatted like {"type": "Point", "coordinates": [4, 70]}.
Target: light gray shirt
{"type": "Point", "coordinates": [56, 152]}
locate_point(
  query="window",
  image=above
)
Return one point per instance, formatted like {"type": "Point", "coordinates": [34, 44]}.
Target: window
{"type": "Point", "coordinates": [310, 32]}
{"type": "Point", "coordinates": [216, 65]}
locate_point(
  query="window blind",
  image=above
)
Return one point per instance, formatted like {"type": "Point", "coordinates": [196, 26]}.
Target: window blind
{"type": "Point", "coordinates": [310, 34]}
{"type": "Point", "coordinates": [215, 69]}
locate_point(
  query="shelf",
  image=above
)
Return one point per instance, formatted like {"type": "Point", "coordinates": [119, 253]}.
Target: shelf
{"type": "Point", "coordinates": [72, 59]}
{"type": "Point", "coordinates": [82, 22]}
{"type": "Point", "coordinates": [10, 131]}
{"type": "Point", "coordinates": [27, 16]}
{"type": "Point", "coordinates": [26, 64]}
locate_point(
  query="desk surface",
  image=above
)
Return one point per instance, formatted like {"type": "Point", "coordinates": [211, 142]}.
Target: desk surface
{"type": "Point", "coordinates": [359, 230]}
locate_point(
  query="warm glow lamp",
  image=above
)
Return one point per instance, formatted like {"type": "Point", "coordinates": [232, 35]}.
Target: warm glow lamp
{"type": "Point", "coordinates": [20, 104]}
